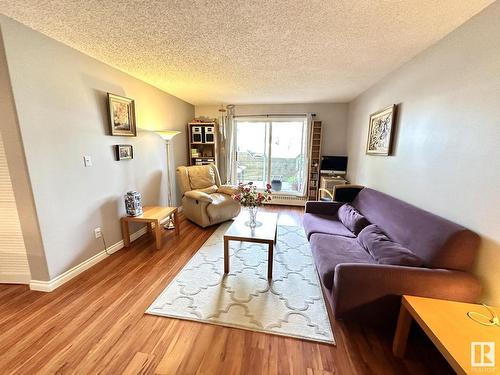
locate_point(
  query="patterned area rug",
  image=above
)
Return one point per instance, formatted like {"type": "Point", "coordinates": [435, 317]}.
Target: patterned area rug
{"type": "Point", "coordinates": [292, 305]}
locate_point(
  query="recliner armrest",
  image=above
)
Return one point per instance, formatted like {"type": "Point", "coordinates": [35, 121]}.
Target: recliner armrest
{"type": "Point", "coordinates": [358, 284]}
{"type": "Point", "coordinates": [227, 189]}
{"type": "Point", "coordinates": [198, 195]}
{"type": "Point", "coordinates": [322, 208]}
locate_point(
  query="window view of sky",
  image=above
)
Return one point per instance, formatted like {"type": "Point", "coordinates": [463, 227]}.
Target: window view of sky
{"type": "Point", "coordinates": [251, 137]}
{"type": "Point", "coordinates": [286, 138]}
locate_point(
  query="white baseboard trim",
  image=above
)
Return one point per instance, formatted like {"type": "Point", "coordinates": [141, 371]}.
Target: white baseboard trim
{"type": "Point", "coordinates": [49, 286]}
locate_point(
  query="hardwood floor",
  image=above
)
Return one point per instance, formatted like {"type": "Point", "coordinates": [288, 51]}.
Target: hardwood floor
{"type": "Point", "coordinates": [96, 324]}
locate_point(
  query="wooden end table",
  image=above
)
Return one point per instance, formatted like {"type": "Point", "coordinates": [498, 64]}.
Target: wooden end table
{"type": "Point", "coordinates": [455, 335]}
{"type": "Point", "coordinates": [265, 233]}
{"type": "Point", "coordinates": [151, 215]}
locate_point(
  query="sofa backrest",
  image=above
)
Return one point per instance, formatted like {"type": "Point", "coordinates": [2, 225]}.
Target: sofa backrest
{"type": "Point", "coordinates": [440, 243]}
{"type": "Point", "coordinates": [198, 177]}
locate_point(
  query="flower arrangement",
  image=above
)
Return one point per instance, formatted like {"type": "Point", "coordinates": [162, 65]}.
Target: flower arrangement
{"type": "Point", "coordinates": [248, 196]}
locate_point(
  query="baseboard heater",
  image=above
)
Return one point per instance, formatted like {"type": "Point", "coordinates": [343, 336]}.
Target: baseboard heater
{"type": "Point", "coordinates": [288, 200]}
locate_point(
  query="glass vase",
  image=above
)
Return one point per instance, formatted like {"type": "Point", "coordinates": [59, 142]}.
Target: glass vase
{"type": "Point", "coordinates": [252, 214]}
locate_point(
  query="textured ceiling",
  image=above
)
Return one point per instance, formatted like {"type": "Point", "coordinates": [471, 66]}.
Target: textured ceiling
{"type": "Point", "coordinates": [244, 51]}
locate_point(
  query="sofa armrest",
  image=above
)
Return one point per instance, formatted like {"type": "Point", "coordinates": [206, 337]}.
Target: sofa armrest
{"type": "Point", "coordinates": [199, 196]}
{"type": "Point", "coordinates": [322, 208]}
{"type": "Point", "coordinates": [358, 284]}
{"type": "Point", "coordinates": [227, 189]}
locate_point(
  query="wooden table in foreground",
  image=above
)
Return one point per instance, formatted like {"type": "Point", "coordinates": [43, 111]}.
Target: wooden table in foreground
{"type": "Point", "coordinates": [151, 215]}
{"type": "Point", "coordinates": [459, 339]}
{"type": "Point", "coordinates": [265, 232]}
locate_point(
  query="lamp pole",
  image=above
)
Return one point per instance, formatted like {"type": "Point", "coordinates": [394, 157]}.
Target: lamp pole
{"type": "Point", "coordinates": [167, 136]}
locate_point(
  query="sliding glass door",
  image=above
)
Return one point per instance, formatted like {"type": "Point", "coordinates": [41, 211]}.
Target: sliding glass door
{"type": "Point", "coordinates": [272, 150]}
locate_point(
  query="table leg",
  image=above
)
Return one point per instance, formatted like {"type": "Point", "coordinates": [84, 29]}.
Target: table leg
{"type": "Point", "coordinates": [150, 227]}
{"type": "Point", "coordinates": [270, 261]}
{"type": "Point", "coordinates": [158, 234]}
{"type": "Point", "coordinates": [125, 233]}
{"type": "Point", "coordinates": [402, 331]}
{"type": "Point", "coordinates": [226, 255]}
{"type": "Point", "coordinates": [176, 222]}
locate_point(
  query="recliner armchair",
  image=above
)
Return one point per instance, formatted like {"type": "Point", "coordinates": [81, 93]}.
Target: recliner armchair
{"type": "Point", "coordinates": [205, 201]}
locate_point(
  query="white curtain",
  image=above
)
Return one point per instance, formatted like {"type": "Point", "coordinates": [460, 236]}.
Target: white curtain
{"type": "Point", "coordinates": [307, 152]}
{"type": "Point", "coordinates": [226, 145]}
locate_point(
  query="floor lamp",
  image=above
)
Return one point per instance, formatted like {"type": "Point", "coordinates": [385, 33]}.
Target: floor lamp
{"type": "Point", "coordinates": [167, 136]}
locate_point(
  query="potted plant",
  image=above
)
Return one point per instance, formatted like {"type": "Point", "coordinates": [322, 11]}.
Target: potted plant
{"type": "Point", "coordinates": [250, 198]}
{"type": "Point", "coordinates": [276, 183]}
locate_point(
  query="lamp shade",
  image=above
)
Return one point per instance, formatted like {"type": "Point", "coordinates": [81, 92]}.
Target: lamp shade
{"type": "Point", "coordinates": [167, 135]}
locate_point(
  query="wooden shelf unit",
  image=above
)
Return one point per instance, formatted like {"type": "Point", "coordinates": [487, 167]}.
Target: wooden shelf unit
{"type": "Point", "coordinates": [315, 160]}
{"type": "Point", "coordinates": [201, 149]}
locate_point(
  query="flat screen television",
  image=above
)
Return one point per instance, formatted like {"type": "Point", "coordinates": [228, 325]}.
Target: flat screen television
{"type": "Point", "coordinates": [334, 164]}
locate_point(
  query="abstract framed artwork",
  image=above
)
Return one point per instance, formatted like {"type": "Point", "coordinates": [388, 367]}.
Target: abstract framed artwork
{"type": "Point", "coordinates": [121, 116]}
{"type": "Point", "coordinates": [380, 131]}
{"type": "Point", "coordinates": [124, 152]}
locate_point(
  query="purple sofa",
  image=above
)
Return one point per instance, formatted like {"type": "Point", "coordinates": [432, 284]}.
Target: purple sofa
{"type": "Point", "coordinates": [355, 279]}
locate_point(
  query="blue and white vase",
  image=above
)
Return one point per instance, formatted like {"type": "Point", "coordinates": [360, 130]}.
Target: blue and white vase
{"type": "Point", "coordinates": [133, 205]}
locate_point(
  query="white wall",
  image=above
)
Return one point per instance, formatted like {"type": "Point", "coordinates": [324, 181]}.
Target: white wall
{"type": "Point", "coordinates": [60, 98]}
{"type": "Point", "coordinates": [447, 149]}
{"type": "Point", "coordinates": [332, 115]}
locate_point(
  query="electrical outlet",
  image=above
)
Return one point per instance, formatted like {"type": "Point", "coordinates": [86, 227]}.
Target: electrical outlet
{"type": "Point", "coordinates": [97, 233]}
{"type": "Point", "coordinates": [87, 161]}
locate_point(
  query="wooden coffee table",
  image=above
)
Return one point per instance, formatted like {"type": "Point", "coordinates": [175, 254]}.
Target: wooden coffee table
{"type": "Point", "coordinates": [151, 215]}
{"type": "Point", "coordinates": [265, 232]}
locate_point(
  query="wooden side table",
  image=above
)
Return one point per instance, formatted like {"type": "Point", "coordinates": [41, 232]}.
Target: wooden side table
{"type": "Point", "coordinates": [151, 215]}
{"type": "Point", "coordinates": [459, 339]}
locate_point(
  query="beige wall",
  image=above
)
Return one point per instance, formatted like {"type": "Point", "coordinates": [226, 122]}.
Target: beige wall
{"type": "Point", "coordinates": [447, 149]}
{"type": "Point", "coordinates": [60, 97]}
{"type": "Point", "coordinates": [333, 117]}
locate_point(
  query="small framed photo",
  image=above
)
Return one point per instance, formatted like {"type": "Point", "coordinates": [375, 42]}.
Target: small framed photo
{"type": "Point", "coordinates": [380, 131]}
{"type": "Point", "coordinates": [124, 152]}
{"type": "Point", "coordinates": [121, 116]}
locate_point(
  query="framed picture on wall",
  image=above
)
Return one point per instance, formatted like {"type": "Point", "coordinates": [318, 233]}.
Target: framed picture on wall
{"type": "Point", "coordinates": [124, 152]}
{"type": "Point", "coordinates": [380, 131]}
{"type": "Point", "coordinates": [121, 115]}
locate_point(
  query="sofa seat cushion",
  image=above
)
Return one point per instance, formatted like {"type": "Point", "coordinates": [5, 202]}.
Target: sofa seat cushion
{"type": "Point", "coordinates": [314, 223]}
{"type": "Point", "coordinates": [222, 208]}
{"type": "Point", "coordinates": [328, 251]}
{"type": "Point", "coordinates": [209, 190]}
{"type": "Point", "coordinates": [385, 251]}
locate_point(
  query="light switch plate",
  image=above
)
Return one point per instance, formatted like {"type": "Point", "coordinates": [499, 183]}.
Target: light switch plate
{"type": "Point", "coordinates": [87, 161]}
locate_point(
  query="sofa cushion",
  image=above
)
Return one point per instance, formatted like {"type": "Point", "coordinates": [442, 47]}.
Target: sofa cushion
{"type": "Point", "coordinates": [314, 223]}
{"type": "Point", "coordinates": [385, 251]}
{"type": "Point", "coordinates": [210, 189]}
{"type": "Point", "coordinates": [328, 251]}
{"type": "Point", "coordinates": [437, 241]}
{"type": "Point", "coordinates": [222, 208]}
{"type": "Point", "coordinates": [352, 219]}
{"type": "Point", "coordinates": [201, 177]}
